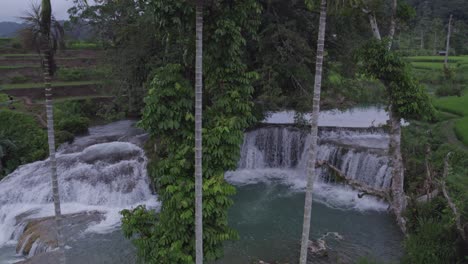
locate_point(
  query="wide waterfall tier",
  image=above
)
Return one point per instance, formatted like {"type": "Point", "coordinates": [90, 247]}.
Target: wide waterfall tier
{"type": "Point", "coordinates": [96, 173]}
{"type": "Point", "coordinates": [360, 153]}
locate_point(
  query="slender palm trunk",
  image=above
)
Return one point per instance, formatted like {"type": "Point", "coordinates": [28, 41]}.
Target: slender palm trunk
{"type": "Point", "coordinates": [311, 173]}
{"type": "Point", "coordinates": [392, 30]}
{"type": "Point", "coordinates": [447, 47]}
{"type": "Point", "coordinates": [47, 53]}
{"type": "Point", "coordinates": [198, 134]}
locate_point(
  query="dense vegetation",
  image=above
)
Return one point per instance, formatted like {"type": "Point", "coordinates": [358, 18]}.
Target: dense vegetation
{"type": "Point", "coordinates": [282, 55]}
{"type": "Point", "coordinates": [266, 63]}
{"type": "Point", "coordinates": [168, 116]}
{"type": "Point", "coordinates": [28, 139]}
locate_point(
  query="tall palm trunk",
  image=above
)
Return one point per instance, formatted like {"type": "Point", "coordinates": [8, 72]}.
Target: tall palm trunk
{"type": "Point", "coordinates": [311, 173]}
{"type": "Point", "coordinates": [391, 32]}
{"type": "Point", "coordinates": [47, 54]}
{"type": "Point", "coordinates": [447, 47]}
{"type": "Point", "coordinates": [198, 134]}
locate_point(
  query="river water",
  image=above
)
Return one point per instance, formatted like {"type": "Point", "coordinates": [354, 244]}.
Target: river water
{"type": "Point", "coordinates": [268, 205]}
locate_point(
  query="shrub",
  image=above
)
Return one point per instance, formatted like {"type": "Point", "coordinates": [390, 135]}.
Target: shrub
{"type": "Point", "coordinates": [26, 134]}
{"type": "Point", "coordinates": [3, 98]}
{"type": "Point", "coordinates": [74, 124]}
{"type": "Point", "coordinates": [82, 45]}
{"type": "Point", "coordinates": [64, 137]}
{"type": "Point", "coordinates": [449, 89]}
{"type": "Point", "coordinates": [79, 74]}
{"type": "Point", "coordinates": [433, 242]}
{"type": "Point", "coordinates": [72, 74]}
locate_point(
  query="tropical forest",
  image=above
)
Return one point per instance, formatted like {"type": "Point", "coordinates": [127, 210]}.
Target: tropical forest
{"type": "Point", "coordinates": [234, 131]}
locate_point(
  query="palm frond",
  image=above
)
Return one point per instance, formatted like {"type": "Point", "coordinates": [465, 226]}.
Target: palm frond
{"type": "Point", "coordinates": [43, 30]}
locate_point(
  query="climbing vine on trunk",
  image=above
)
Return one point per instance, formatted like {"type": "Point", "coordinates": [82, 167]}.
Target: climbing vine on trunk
{"type": "Point", "coordinates": [168, 237]}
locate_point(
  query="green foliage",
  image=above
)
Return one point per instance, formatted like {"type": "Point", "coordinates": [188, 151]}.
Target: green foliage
{"type": "Point", "coordinates": [18, 79]}
{"type": "Point", "coordinates": [63, 136]}
{"type": "Point", "coordinates": [432, 242]}
{"type": "Point", "coordinates": [4, 98]}
{"type": "Point", "coordinates": [448, 89]}
{"type": "Point", "coordinates": [24, 132]}
{"type": "Point", "coordinates": [78, 74]}
{"type": "Point", "coordinates": [416, 137]}
{"type": "Point", "coordinates": [169, 118]}
{"type": "Point", "coordinates": [406, 96]}
{"type": "Point", "coordinates": [74, 125]}
{"type": "Point", "coordinates": [74, 116]}
{"type": "Point", "coordinates": [67, 74]}
{"type": "Point", "coordinates": [139, 224]}
{"type": "Point", "coordinates": [453, 104]}
{"type": "Point", "coordinates": [80, 45]}
{"type": "Point", "coordinates": [461, 130]}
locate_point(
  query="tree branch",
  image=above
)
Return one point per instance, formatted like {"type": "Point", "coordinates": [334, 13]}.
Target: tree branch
{"type": "Point", "coordinates": [451, 204]}
{"type": "Point", "coordinates": [365, 190]}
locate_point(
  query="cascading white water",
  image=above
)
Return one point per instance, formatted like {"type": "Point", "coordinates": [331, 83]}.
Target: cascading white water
{"type": "Point", "coordinates": [99, 172]}
{"type": "Point", "coordinates": [280, 153]}
{"type": "Point", "coordinates": [287, 147]}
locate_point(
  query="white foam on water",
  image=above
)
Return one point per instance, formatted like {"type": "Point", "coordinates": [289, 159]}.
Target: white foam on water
{"type": "Point", "coordinates": [279, 155]}
{"type": "Point", "coordinates": [105, 177]}
{"type": "Point", "coordinates": [335, 196]}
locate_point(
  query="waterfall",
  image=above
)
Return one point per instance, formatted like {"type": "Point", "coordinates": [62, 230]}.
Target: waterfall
{"type": "Point", "coordinates": [358, 153]}
{"type": "Point", "coordinates": [278, 153]}
{"type": "Point", "coordinates": [102, 172]}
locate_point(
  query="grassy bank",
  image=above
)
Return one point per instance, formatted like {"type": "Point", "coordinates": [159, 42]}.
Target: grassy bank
{"type": "Point", "coordinates": [459, 106]}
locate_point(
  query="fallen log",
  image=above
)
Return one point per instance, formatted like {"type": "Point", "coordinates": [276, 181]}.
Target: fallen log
{"type": "Point", "coordinates": [362, 188]}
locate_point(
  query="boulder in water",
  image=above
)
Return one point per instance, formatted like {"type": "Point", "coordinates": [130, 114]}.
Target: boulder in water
{"type": "Point", "coordinates": [43, 258]}
{"type": "Point", "coordinates": [318, 248]}
{"type": "Point", "coordinates": [39, 235]}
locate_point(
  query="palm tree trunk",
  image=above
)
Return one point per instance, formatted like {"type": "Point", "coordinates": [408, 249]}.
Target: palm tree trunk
{"type": "Point", "coordinates": [46, 51]}
{"type": "Point", "coordinates": [391, 33]}
{"type": "Point", "coordinates": [198, 134]}
{"type": "Point", "coordinates": [311, 173]}
{"type": "Point", "coordinates": [447, 48]}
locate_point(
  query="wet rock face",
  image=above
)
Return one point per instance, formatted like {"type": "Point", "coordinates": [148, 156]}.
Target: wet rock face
{"type": "Point", "coordinates": [44, 258]}
{"type": "Point", "coordinates": [40, 235]}
{"type": "Point", "coordinates": [317, 248]}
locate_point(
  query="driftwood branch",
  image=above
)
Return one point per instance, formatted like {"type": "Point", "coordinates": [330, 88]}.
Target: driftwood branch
{"type": "Point", "coordinates": [363, 189]}
{"type": "Point", "coordinates": [451, 204]}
